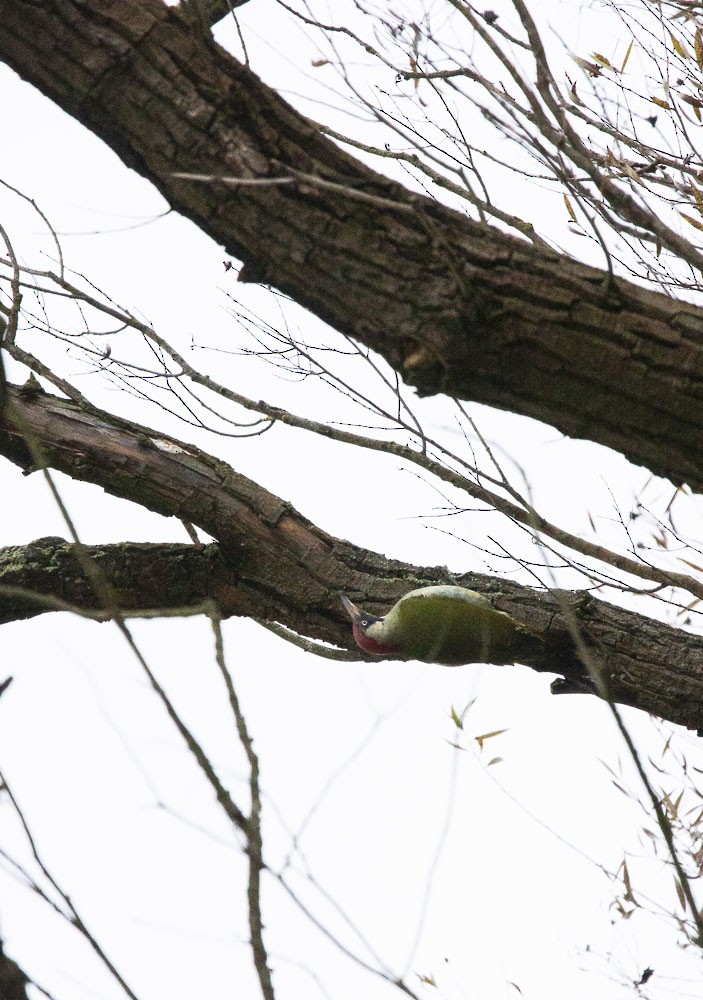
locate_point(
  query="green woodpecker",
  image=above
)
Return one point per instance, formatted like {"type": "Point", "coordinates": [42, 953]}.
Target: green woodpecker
{"type": "Point", "coordinates": [447, 625]}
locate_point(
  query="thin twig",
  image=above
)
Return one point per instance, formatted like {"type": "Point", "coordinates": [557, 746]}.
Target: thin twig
{"type": "Point", "coordinates": [253, 826]}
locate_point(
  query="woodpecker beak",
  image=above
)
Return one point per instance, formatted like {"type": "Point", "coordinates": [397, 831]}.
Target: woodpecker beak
{"type": "Point", "coordinates": [351, 609]}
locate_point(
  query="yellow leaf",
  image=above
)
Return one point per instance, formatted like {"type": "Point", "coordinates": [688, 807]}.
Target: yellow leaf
{"type": "Point", "coordinates": [428, 980]}
{"type": "Point", "coordinates": [627, 56]}
{"type": "Point", "coordinates": [458, 717]}
{"type": "Point", "coordinates": [569, 209]}
{"type": "Point", "coordinates": [698, 46]}
{"type": "Point", "coordinates": [602, 60]}
{"type": "Point", "coordinates": [678, 47]}
{"type": "Point", "coordinates": [659, 102]}
{"type": "Point", "coordinates": [487, 736]}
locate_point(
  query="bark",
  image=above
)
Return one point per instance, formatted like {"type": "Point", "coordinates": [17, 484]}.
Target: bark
{"type": "Point", "coordinates": [454, 306]}
{"type": "Point", "coordinates": [13, 982]}
{"type": "Point", "coordinates": [273, 564]}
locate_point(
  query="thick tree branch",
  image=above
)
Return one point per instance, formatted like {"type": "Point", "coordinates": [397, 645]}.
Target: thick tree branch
{"type": "Point", "coordinates": [273, 564]}
{"type": "Point", "coordinates": [13, 981]}
{"type": "Point", "coordinates": [454, 306]}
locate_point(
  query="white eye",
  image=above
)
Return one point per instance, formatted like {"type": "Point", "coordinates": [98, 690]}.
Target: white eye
{"type": "Point", "coordinates": [364, 623]}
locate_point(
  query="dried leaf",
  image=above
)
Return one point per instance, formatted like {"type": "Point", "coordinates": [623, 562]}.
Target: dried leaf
{"type": "Point", "coordinates": [698, 47]}
{"type": "Point", "coordinates": [627, 56]}
{"type": "Point", "coordinates": [698, 858]}
{"type": "Point", "coordinates": [494, 760]}
{"type": "Point", "coordinates": [593, 69]}
{"type": "Point", "coordinates": [680, 893]}
{"type": "Point", "coordinates": [316, 63]}
{"type": "Point", "coordinates": [660, 102]}
{"type": "Point", "coordinates": [693, 222]}
{"type": "Point", "coordinates": [619, 904]}
{"type": "Point", "coordinates": [696, 566]}
{"type": "Point", "coordinates": [699, 204]}
{"type": "Point", "coordinates": [575, 97]}
{"type": "Point", "coordinates": [695, 104]}
{"type": "Point", "coordinates": [661, 540]}
{"type": "Point", "coordinates": [569, 209]}
{"type": "Point", "coordinates": [678, 46]}
{"type": "Point", "coordinates": [427, 980]}
{"type": "Point", "coordinates": [602, 60]}
{"type": "Point", "coordinates": [689, 607]}
{"type": "Point", "coordinates": [694, 822]}
{"type": "Point", "coordinates": [676, 804]}
{"type": "Point", "coordinates": [487, 736]}
{"type": "Point", "coordinates": [628, 885]}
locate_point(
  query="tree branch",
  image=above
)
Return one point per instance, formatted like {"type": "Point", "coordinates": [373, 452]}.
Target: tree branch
{"type": "Point", "coordinates": [454, 306]}
{"type": "Point", "coordinates": [273, 564]}
{"type": "Point", "coordinates": [13, 981]}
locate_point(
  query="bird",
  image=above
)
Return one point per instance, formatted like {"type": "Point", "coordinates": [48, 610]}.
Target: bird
{"type": "Point", "coordinates": [448, 625]}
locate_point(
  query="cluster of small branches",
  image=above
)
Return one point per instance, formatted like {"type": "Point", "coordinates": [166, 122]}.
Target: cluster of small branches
{"type": "Point", "coordinates": [614, 134]}
{"type": "Point", "coordinates": [129, 353]}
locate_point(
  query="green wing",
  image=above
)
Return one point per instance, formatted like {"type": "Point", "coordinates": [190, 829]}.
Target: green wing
{"type": "Point", "coordinates": [450, 625]}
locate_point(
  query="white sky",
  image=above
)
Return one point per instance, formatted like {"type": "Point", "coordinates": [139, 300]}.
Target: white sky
{"type": "Point", "coordinates": [510, 853]}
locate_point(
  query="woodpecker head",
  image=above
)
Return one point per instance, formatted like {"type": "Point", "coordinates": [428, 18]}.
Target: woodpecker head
{"type": "Point", "coordinates": [368, 630]}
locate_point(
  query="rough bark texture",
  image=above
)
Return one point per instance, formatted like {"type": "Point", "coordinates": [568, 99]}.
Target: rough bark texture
{"type": "Point", "coordinates": [453, 305]}
{"type": "Point", "coordinates": [272, 563]}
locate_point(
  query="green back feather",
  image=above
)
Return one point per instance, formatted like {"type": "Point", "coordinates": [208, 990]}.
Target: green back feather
{"type": "Point", "coordinates": [450, 625]}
